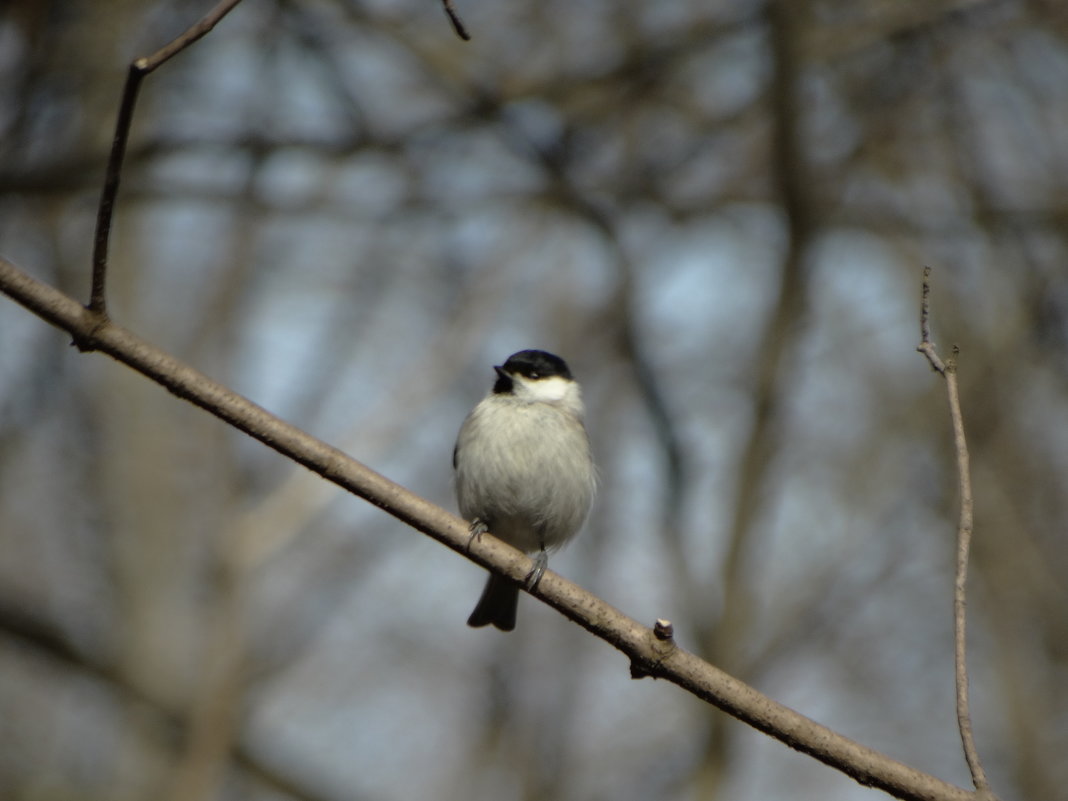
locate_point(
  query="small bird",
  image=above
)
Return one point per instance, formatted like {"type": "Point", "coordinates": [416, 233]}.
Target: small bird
{"type": "Point", "coordinates": [524, 471]}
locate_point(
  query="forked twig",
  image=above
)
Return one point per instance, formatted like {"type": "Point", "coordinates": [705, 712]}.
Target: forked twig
{"type": "Point", "coordinates": [138, 70]}
{"type": "Point", "coordinates": [948, 370]}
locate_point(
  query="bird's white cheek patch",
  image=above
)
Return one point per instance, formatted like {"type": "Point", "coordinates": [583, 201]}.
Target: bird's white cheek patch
{"type": "Point", "coordinates": [549, 390]}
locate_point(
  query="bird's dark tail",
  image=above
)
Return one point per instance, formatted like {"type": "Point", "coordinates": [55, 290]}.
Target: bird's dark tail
{"type": "Point", "coordinates": [497, 606]}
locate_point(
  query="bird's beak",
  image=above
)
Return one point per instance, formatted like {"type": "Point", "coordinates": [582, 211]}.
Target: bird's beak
{"type": "Point", "coordinates": [500, 371]}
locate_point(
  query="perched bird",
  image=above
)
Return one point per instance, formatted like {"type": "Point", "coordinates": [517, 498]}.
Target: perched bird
{"type": "Point", "coordinates": [523, 470]}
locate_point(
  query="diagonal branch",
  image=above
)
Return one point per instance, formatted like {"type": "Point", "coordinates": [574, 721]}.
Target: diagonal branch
{"type": "Point", "coordinates": [948, 370]}
{"type": "Point", "coordinates": [651, 654]}
{"type": "Point", "coordinates": [106, 209]}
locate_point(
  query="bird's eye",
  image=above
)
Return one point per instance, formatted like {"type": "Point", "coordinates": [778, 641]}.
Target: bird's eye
{"type": "Point", "coordinates": [535, 374]}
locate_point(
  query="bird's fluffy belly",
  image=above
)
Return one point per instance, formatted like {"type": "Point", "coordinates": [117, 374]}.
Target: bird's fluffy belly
{"type": "Point", "coordinates": [521, 482]}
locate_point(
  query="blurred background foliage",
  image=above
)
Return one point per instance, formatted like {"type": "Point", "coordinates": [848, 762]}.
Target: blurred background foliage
{"type": "Point", "coordinates": [718, 212]}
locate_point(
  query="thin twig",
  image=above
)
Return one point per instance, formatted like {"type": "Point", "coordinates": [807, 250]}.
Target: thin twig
{"type": "Point", "coordinates": [948, 370]}
{"type": "Point", "coordinates": [136, 73]}
{"type": "Point", "coordinates": [104, 212]}
{"type": "Point", "coordinates": [454, 18]}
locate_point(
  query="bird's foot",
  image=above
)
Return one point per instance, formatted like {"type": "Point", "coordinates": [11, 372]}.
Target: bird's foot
{"type": "Point", "coordinates": [476, 529]}
{"type": "Point", "coordinates": [541, 561]}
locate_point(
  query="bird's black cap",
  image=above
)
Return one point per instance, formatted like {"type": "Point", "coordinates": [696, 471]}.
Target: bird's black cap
{"type": "Point", "coordinates": [533, 364]}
